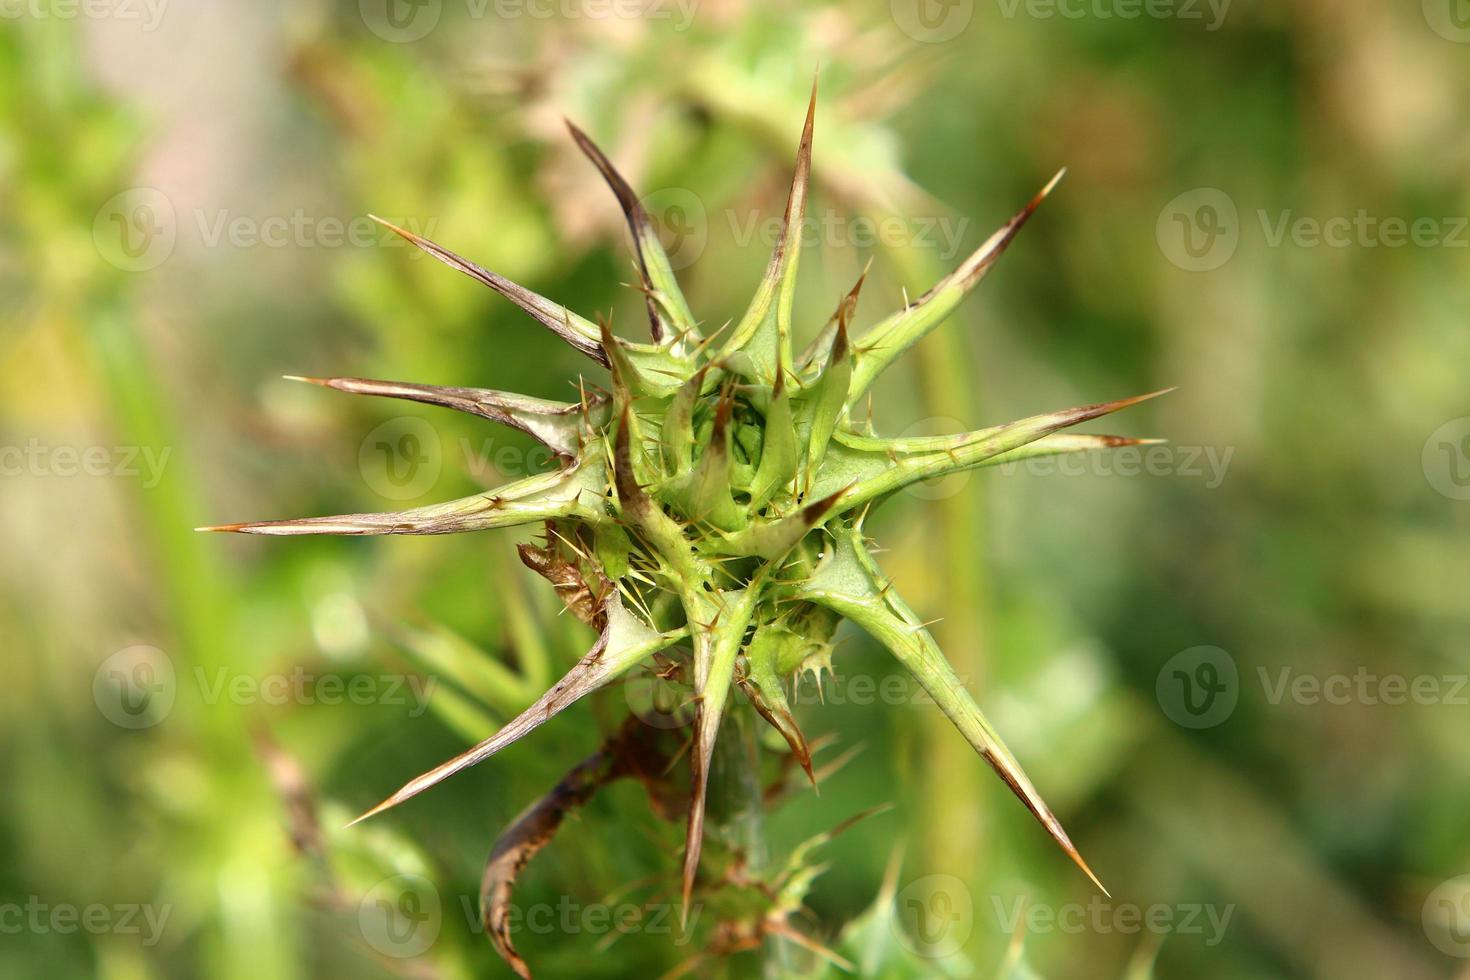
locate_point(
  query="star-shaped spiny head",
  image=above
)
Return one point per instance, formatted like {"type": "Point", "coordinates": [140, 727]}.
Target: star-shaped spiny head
{"type": "Point", "coordinates": [710, 498]}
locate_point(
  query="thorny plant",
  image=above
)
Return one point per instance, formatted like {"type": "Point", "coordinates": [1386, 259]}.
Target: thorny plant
{"type": "Point", "coordinates": [707, 510]}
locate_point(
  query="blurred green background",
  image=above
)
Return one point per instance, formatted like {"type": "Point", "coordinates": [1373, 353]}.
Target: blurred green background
{"type": "Point", "coordinates": [1265, 206]}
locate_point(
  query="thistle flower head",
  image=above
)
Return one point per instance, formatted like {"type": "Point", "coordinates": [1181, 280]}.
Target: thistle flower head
{"type": "Point", "coordinates": [708, 501]}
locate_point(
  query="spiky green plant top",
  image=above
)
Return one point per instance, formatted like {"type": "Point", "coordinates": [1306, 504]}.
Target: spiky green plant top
{"type": "Point", "coordinates": [713, 496]}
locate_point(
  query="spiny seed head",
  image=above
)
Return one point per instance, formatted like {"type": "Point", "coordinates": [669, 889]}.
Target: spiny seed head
{"type": "Point", "coordinates": [711, 498]}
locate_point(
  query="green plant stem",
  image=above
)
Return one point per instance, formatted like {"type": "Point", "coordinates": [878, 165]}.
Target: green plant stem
{"type": "Point", "coordinates": [737, 813]}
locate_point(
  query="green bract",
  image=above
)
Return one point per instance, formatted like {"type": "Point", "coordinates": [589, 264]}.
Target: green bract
{"type": "Point", "coordinates": [713, 497]}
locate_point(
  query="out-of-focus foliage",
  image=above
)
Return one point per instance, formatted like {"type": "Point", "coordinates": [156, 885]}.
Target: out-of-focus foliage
{"type": "Point", "coordinates": [181, 207]}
